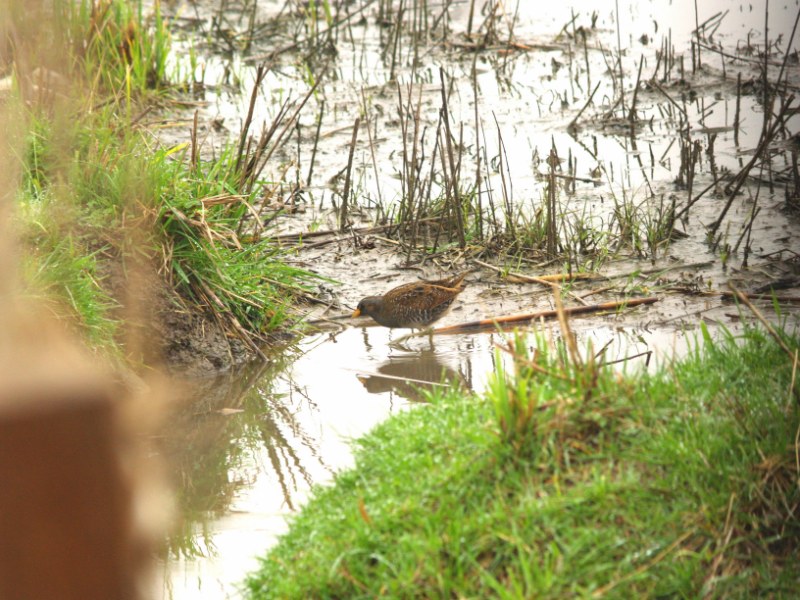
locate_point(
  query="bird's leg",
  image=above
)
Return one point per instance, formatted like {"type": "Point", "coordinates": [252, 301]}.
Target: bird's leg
{"type": "Point", "coordinates": [398, 343]}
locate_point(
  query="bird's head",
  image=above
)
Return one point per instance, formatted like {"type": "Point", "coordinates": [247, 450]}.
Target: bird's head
{"type": "Point", "coordinates": [367, 307]}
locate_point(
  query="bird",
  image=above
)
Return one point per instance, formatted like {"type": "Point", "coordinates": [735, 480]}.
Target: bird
{"type": "Point", "coordinates": [413, 305]}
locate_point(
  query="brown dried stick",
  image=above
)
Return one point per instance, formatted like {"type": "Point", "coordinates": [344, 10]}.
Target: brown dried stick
{"type": "Point", "coordinates": [746, 301]}
{"type": "Point", "coordinates": [544, 314]}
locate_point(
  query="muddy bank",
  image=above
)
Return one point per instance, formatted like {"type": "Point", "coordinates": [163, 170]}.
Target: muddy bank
{"type": "Point", "coordinates": [164, 329]}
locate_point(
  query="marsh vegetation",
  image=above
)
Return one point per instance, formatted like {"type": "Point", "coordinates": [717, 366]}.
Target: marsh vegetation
{"type": "Point", "coordinates": [202, 182]}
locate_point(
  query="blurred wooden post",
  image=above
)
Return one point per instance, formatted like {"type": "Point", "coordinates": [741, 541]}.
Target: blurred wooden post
{"type": "Point", "coordinates": [65, 526]}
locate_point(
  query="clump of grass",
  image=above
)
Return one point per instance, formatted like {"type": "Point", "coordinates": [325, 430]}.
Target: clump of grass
{"type": "Point", "coordinates": [188, 220]}
{"type": "Point", "coordinates": [63, 275]}
{"type": "Point", "coordinates": [212, 253]}
{"type": "Point", "coordinates": [645, 227]}
{"type": "Point", "coordinates": [116, 45]}
{"type": "Point", "coordinates": [567, 479]}
{"type": "Point", "coordinates": [94, 192]}
{"type": "Point", "coordinates": [60, 263]}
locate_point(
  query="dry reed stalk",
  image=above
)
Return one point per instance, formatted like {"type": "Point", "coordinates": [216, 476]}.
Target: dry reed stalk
{"type": "Point", "coordinates": [261, 73]}
{"type": "Point", "coordinates": [455, 198]}
{"type": "Point", "coordinates": [474, 82]}
{"type": "Point", "coordinates": [572, 123]}
{"type": "Point", "coordinates": [733, 187]}
{"type": "Point", "coordinates": [348, 177]}
{"type": "Point", "coordinates": [566, 332]}
{"type": "Point", "coordinates": [552, 226]}
{"type": "Point", "coordinates": [746, 301]}
{"type": "Point", "coordinates": [371, 148]}
{"type": "Point", "coordinates": [316, 142]}
{"type": "Point", "coordinates": [512, 320]}
{"type": "Point", "coordinates": [632, 112]}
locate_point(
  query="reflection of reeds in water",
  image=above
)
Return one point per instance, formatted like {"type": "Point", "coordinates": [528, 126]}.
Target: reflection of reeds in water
{"type": "Point", "coordinates": [410, 376]}
{"type": "Point", "coordinates": [198, 445]}
{"type": "Point", "coordinates": [227, 424]}
{"type": "Point", "coordinates": [285, 461]}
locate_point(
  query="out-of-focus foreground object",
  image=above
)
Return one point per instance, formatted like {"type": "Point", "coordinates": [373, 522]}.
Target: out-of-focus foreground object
{"type": "Point", "coordinates": [66, 521]}
{"type": "Point", "coordinates": [80, 515]}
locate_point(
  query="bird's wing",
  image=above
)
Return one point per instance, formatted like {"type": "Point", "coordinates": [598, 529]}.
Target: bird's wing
{"type": "Point", "coordinates": [421, 296]}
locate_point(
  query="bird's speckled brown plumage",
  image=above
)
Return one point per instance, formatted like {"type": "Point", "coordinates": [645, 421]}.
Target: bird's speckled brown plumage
{"type": "Point", "coordinates": [413, 304]}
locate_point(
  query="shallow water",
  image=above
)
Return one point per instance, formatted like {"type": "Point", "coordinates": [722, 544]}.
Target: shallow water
{"type": "Point", "coordinates": [251, 445]}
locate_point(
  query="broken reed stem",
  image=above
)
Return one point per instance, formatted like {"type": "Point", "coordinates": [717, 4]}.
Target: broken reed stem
{"type": "Point", "coordinates": [792, 355]}
{"type": "Point", "coordinates": [471, 15]}
{"type": "Point", "coordinates": [447, 181]}
{"type": "Point", "coordinates": [292, 119]}
{"type": "Point", "coordinates": [250, 171]}
{"type": "Point", "coordinates": [412, 203]}
{"type": "Point", "coordinates": [346, 194]}
{"type": "Point", "coordinates": [413, 171]}
{"type": "Point", "coordinates": [694, 200]}
{"type": "Point", "coordinates": [588, 69]}
{"type": "Point", "coordinates": [787, 53]}
{"type": "Point", "coordinates": [316, 142]}
{"type": "Point", "coordinates": [697, 32]}
{"type": "Point", "coordinates": [462, 241]}
{"type": "Point", "coordinates": [552, 227]}
{"type": "Point", "coordinates": [261, 72]}
{"type": "Point", "coordinates": [566, 331]}
{"type": "Point", "coordinates": [193, 156]}
{"type": "Point", "coordinates": [632, 112]}
{"type": "Point", "coordinates": [299, 137]}
{"type": "Point", "coordinates": [671, 100]}
{"type": "Point", "coordinates": [571, 126]}
{"type": "Point", "coordinates": [426, 200]}
{"type": "Point", "coordinates": [510, 320]}
{"type": "Point", "coordinates": [738, 108]}
{"type": "Point", "coordinates": [405, 180]}
{"type": "Point", "coordinates": [754, 212]}
{"type": "Point", "coordinates": [489, 195]}
{"type": "Point", "coordinates": [396, 42]}
{"type": "Point", "coordinates": [765, 83]}
{"type": "Point", "coordinates": [413, 168]}
{"type": "Point", "coordinates": [507, 195]}
{"type": "Point", "coordinates": [746, 301]}
{"type": "Point", "coordinates": [619, 59]}
{"type": "Point", "coordinates": [372, 150]}
{"type": "Point", "coordinates": [477, 137]}
{"type": "Point", "coordinates": [647, 353]}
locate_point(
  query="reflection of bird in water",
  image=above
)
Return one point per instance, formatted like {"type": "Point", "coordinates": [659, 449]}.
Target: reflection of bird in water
{"type": "Point", "coordinates": [406, 375]}
{"type": "Point", "coordinates": [413, 304]}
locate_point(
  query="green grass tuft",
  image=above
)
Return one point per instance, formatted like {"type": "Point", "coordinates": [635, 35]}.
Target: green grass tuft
{"type": "Point", "coordinates": [561, 484]}
{"type": "Point", "coordinates": [96, 197]}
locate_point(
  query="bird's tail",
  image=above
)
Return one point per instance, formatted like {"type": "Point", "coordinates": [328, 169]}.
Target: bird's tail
{"type": "Point", "coordinates": [454, 282]}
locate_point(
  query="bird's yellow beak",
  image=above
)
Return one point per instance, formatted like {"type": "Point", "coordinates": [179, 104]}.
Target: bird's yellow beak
{"type": "Point", "coordinates": [356, 313]}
